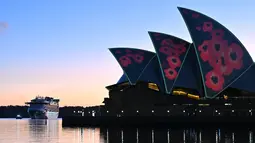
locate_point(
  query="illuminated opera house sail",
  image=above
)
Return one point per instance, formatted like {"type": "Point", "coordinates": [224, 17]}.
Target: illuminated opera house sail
{"type": "Point", "coordinates": [214, 66]}
{"type": "Point", "coordinates": [203, 82]}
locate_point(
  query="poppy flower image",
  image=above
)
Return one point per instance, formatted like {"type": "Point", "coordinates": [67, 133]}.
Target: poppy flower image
{"type": "Point", "coordinates": [166, 50]}
{"type": "Point", "coordinates": [129, 55]}
{"type": "Point", "coordinates": [180, 48]}
{"type": "Point", "coordinates": [198, 28]}
{"type": "Point", "coordinates": [174, 61]}
{"type": "Point", "coordinates": [217, 34]}
{"type": "Point", "coordinates": [214, 81]}
{"type": "Point", "coordinates": [118, 52]}
{"type": "Point", "coordinates": [204, 50]}
{"type": "Point", "coordinates": [217, 47]}
{"type": "Point", "coordinates": [157, 36]}
{"type": "Point", "coordinates": [207, 26]}
{"type": "Point", "coordinates": [195, 15]}
{"type": "Point", "coordinates": [167, 42]}
{"type": "Point", "coordinates": [128, 51]}
{"type": "Point", "coordinates": [124, 61]}
{"type": "Point", "coordinates": [221, 66]}
{"type": "Point", "coordinates": [138, 58]}
{"type": "Point", "coordinates": [234, 56]}
{"type": "Point", "coordinates": [170, 73]}
{"type": "Point", "coordinates": [185, 11]}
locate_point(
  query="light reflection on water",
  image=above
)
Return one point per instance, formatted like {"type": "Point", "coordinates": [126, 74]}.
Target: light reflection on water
{"type": "Point", "coordinates": [51, 131]}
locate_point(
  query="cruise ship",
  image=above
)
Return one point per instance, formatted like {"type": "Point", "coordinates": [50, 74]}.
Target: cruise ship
{"type": "Point", "coordinates": [43, 108]}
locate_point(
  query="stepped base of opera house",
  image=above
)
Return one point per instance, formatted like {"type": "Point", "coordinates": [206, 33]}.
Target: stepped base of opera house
{"type": "Point", "coordinates": [143, 104]}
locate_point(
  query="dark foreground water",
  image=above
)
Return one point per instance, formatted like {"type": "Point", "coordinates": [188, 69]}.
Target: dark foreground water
{"type": "Point", "coordinates": [51, 131]}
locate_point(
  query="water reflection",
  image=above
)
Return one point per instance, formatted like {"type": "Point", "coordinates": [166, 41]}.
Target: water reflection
{"type": "Point", "coordinates": [51, 131]}
{"type": "Point", "coordinates": [156, 135]}
{"type": "Point", "coordinates": [83, 135]}
{"type": "Point", "coordinates": [41, 130]}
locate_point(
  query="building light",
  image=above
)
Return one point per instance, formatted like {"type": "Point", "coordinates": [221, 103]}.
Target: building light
{"type": "Point", "coordinates": [74, 111]}
{"type": "Point", "coordinates": [122, 111]}
{"type": "Point", "coordinates": [216, 111]}
{"type": "Point", "coordinates": [203, 104]}
{"type": "Point", "coordinates": [179, 92]}
{"type": "Point", "coordinates": [152, 111]}
{"type": "Point", "coordinates": [183, 111]}
{"type": "Point", "coordinates": [193, 96]}
{"type": "Point", "coordinates": [89, 112]}
{"type": "Point", "coordinates": [137, 111]}
{"type": "Point", "coordinates": [200, 111]}
{"type": "Point", "coordinates": [219, 113]}
{"type": "Point", "coordinates": [153, 86]}
{"type": "Point", "coordinates": [225, 97]}
{"type": "Point", "coordinates": [107, 111]}
{"type": "Point", "coordinates": [167, 111]}
{"type": "Point", "coordinates": [250, 110]}
{"type": "Point", "coordinates": [228, 104]}
{"type": "Point", "coordinates": [233, 110]}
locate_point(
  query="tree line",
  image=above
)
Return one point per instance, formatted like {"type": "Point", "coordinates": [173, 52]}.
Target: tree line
{"type": "Point", "coordinates": [13, 111]}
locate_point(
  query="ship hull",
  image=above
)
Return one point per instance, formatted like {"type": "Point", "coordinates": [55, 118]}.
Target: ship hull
{"type": "Point", "coordinates": [43, 115]}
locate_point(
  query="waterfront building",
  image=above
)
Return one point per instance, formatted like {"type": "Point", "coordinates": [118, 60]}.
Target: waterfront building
{"type": "Point", "coordinates": [211, 76]}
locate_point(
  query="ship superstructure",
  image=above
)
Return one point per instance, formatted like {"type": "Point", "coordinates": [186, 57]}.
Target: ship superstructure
{"type": "Point", "coordinates": [43, 108]}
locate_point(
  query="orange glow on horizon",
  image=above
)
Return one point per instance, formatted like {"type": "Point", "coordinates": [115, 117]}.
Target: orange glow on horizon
{"type": "Point", "coordinates": [73, 89]}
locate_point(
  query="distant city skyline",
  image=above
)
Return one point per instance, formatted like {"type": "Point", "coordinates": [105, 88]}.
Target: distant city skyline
{"type": "Point", "coordinates": [60, 48]}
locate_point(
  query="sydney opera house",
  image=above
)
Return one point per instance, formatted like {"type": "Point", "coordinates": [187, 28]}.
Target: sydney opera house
{"type": "Point", "coordinates": [213, 75]}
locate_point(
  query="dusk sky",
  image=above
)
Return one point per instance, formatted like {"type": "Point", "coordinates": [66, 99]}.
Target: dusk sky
{"type": "Point", "coordinates": [59, 48]}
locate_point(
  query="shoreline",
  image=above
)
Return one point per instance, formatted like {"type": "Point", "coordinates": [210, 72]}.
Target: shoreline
{"type": "Point", "coordinates": [160, 121]}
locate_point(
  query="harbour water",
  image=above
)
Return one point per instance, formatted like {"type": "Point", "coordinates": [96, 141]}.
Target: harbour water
{"type": "Point", "coordinates": [51, 131]}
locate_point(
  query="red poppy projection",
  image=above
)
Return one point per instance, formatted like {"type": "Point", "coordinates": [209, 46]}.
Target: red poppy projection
{"type": "Point", "coordinates": [220, 52]}
{"type": "Point", "coordinates": [171, 52]}
{"type": "Point", "coordinates": [128, 56]}
{"type": "Point", "coordinates": [220, 58]}
{"type": "Point", "coordinates": [133, 61]}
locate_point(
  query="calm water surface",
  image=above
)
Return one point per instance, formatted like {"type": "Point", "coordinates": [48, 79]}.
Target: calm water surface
{"type": "Point", "coordinates": [51, 131]}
